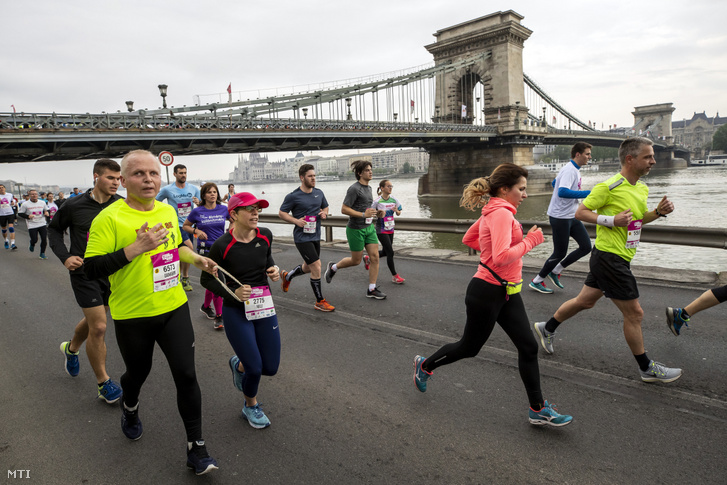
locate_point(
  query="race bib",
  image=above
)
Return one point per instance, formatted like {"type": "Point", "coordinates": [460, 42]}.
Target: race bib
{"type": "Point", "coordinates": [52, 212]}
{"type": "Point", "coordinates": [633, 234]}
{"type": "Point", "coordinates": [310, 224]}
{"type": "Point", "coordinates": [369, 220]}
{"type": "Point", "coordinates": [4, 205]}
{"type": "Point", "coordinates": [184, 209]}
{"type": "Point", "coordinates": [389, 224]}
{"type": "Point", "coordinates": [260, 304]}
{"type": "Point", "coordinates": [36, 216]}
{"type": "Point", "coordinates": [165, 269]}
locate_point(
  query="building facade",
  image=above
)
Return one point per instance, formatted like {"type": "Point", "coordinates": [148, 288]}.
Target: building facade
{"type": "Point", "coordinates": [696, 133]}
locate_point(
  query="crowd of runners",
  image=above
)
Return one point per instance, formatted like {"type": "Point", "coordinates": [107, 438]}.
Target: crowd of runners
{"type": "Point", "coordinates": [131, 257]}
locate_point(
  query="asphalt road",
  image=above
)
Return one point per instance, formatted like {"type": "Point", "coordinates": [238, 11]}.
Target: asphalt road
{"type": "Point", "coordinates": [343, 406]}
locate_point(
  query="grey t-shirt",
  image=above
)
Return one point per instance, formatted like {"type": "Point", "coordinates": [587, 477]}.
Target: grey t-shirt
{"type": "Point", "coordinates": [359, 198]}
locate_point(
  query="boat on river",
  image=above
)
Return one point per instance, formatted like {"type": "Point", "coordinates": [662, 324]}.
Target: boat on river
{"type": "Point", "coordinates": [710, 161]}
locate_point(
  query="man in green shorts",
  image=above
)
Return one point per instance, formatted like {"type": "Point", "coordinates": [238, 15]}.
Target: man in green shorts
{"type": "Point", "coordinates": [618, 207]}
{"type": "Point", "coordinates": [137, 244]}
{"type": "Point", "coordinates": [360, 230]}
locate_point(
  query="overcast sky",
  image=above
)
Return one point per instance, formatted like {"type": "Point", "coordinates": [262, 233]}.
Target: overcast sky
{"type": "Point", "coordinates": [598, 59]}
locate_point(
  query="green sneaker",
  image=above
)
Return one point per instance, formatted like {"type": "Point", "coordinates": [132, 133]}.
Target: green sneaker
{"type": "Point", "coordinates": [186, 284]}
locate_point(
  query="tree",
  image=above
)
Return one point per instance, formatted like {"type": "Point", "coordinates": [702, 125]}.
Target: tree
{"type": "Point", "coordinates": [719, 140]}
{"type": "Point", "coordinates": [407, 168]}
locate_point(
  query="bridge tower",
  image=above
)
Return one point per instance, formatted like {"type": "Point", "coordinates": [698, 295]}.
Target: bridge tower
{"type": "Point", "coordinates": [496, 40]}
{"type": "Point", "coordinates": [655, 120]}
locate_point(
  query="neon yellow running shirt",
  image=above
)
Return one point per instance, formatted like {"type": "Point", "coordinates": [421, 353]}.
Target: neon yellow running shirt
{"type": "Point", "coordinates": [133, 287]}
{"type": "Point", "coordinates": [609, 198]}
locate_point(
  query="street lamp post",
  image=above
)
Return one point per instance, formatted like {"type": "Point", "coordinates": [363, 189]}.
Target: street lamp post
{"type": "Point", "coordinates": [130, 106]}
{"type": "Point", "coordinates": [163, 94]}
{"type": "Point", "coordinates": [545, 123]}
{"type": "Point", "coordinates": [396, 115]}
{"type": "Point", "coordinates": [348, 105]}
{"type": "Point", "coordinates": [305, 113]}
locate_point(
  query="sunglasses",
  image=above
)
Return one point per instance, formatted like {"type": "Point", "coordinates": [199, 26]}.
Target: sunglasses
{"type": "Point", "coordinates": [251, 208]}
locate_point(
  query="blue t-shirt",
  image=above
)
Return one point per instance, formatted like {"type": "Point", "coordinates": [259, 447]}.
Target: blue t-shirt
{"type": "Point", "coordinates": [180, 199]}
{"type": "Point", "coordinates": [211, 221]}
{"type": "Point", "coordinates": [302, 204]}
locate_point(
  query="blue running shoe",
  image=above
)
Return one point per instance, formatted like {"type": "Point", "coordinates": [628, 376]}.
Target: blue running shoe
{"type": "Point", "coordinates": [555, 278]}
{"type": "Point", "coordinates": [675, 319]}
{"type": "Point", "coordinates": [7, 245]}
{"type": "Point", "coordinates": [236, 374]}
{"type": "Point", "coordinates": [255, 416]}
{"type": "Point", "coordinates": [31, 248]}
{"type": "Point", "coordinates": [71, 365]}
{"type": "Point", "coordinates": [540, 287]}
{"type": "Point", "coordinates": [420, 375]}
{"type": "Point", "coordinates": [130, 423]}
{"type": "Point", "coordinates": [109, 391]}
{"type": "Point", "coordinates": [43, 256]}
{"type": "Point", "coordinates": [549, 416]}
{"type": "Point", "coordinates": [13, 247]}
{"type": "Point", "coordinates": [199, 460]}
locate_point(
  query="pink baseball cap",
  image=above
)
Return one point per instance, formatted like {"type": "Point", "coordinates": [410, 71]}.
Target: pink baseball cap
{"type": "Point", "coordinates": [242, 199]}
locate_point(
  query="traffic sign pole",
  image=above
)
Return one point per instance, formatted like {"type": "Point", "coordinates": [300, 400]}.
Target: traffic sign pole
{"type": "Point", "coordinates": [166, 159]}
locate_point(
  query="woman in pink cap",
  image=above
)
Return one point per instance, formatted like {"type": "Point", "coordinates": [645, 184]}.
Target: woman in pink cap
{"type": "Point", "coordinates": [251, 325]}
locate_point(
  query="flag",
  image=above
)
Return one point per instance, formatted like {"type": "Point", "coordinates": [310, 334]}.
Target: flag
{"type": "Point", "coordinates": [13, 106]}
{"type": "Point", "coordinates": [229, 89]}
{"type": "Point", "coordinates": [464, 111]}
{"type": "Point", "coordinates": [498, 113]}
{"type": "Point", "coordinates": [553, 119]}
{"type": "Point", "coordinates": [412, 106]}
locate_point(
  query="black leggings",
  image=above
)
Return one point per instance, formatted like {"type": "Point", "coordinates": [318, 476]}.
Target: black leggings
{"type": "Point", "coordinates": [43, 231]}
{"type": "Point", "coordinates": [486, 304]}
{"type": "Point", "coordinates": [174, 334]}
{"type": "Point", "coordinates": [387, 241]}
{"type": "Point", "coordinates": [563, 230]}
{"type": "Point", "coordinates": [720, 293]}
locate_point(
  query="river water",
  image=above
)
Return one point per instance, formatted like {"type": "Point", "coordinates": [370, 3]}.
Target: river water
{"type": "Point", "coordinates": [698, 194]}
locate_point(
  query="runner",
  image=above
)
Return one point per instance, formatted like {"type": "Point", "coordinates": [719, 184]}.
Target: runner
{"type": "Point", "coordinates": [35, 212]}
{"type": "Point", "coordinates": [230, 192]}
{"type": "Point", "coordinates": [91, 295]}
{"type": "Point", "coordinates": [181, 195]}
{"type": "Point", "coordinates": [309, 207]}
{"type": "Point", "coordinates": [561, 212]}
{"type": "Point", "coordinates": [360, 232]}
{"type": "Point", "coordinates": [245, 252]}
{"type": "Point", "coordinates": [493, 294]}
{"type": "Point", "coordinates": [52, 207]}
{"type": "Point", "coordinates": [136, 243]}
{"type": "Point", "coordinates": [385, 227]}
{"type": "Point", "coordinates": [8, 208]}
{"type": "Point", "coordinates": [60, 200]}
{"type": "Point", "coordinates": [677, 317]}
{"type": "Point", "coordinates": [621, 211]}
{"type": "Point", "coordinates": [207, 223]}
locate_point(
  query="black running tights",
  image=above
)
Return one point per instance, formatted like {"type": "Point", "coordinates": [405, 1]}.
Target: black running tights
{"type": "Point", "coordinates": [486, 305]}
{"type": "Point", "coordinates": [387, 242]}
{"type": "Point", "coordinates": [43, 233]}
{"type": "Point", "coordinates": [174, 334]}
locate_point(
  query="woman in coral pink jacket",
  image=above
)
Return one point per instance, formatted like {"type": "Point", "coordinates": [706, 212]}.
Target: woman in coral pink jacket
{"type": "Point", "coordinates": [493, 294]}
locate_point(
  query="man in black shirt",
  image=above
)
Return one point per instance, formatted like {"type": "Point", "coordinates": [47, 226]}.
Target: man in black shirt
{"type": "Point", "coordinates": [92, 296]}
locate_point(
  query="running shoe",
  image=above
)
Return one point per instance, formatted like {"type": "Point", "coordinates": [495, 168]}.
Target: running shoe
{"type": "Point", "coordinates": [420, 375]}
{"type": "Point", "coordinates": [329, 272]}
{"type": "Point", "coordinates": [658, 372]}
{"type": "Point", "coordinates": [110, 391]}
{"type": "Point", "coordinates": [324, 306]}
{"type": "Point", "coordinates": [236, 374]}
{"type": "Point", "coordinates": [208, 312]}
{"type": "Point", "coordinates": [555, 278]}
{"type": "Point", "coordinates": [367, 262]}
{"type": "Point", "coordinates": [255, 416]}
{"type": "Point", "coordinates": [540, 287]}
{"type": "Point", "coordinates": [284, 283]}
{"type": "Point", "coordinates": [548, 416]}
{"type": "Point", "coordinates": [71, 365]}
{"type": "Point", "coordinates": [546, 338]}
{"type": "Point", "coordinates": [13, 247]}
{"type": "Point", "coordinates": [199, 460]}
{"type": "Point", "coordinates": [186, 284]}
{"type": "Point", "coordinates": [130, 423]}
{"type": "Point", "coordinates": [397, 279]}
{"type": "Point", "coordinates": [31, 248]}
{"type": "Point", "coordinates": [675, 320]}
{"type": "Point", "coordinates": [375, 293]}
{"type": "Point", "coordinates": [218, 323]}
{"type": "Point", "coordinates": [43, 256]}
{"type": "Point", "coordinates": [7, 245]}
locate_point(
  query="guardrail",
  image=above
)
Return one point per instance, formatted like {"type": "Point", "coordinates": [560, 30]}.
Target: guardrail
{"type": "Point", "coordinates": [675, 235]}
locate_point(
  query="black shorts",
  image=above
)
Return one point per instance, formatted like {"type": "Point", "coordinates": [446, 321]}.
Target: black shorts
{"type": "Point", "coordinates": [8, 219]}
{"type": "Point", "coordinates": [310, 250]}
{"type": "Point", "coordinates": [90, 293]}
{"type": "Point", "coordinates": [611, 274]}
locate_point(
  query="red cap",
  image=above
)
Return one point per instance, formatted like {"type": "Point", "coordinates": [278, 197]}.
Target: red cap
{"type": "Point", "coordinates": [242, 199]}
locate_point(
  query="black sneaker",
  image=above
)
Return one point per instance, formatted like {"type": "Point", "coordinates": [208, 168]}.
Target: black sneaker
{"type": "Point", "coordinates": [329, 272]}
{"type": "Point", "coordinates": [208, 311]}
{"type": "Point", "coordinates": [199, 460]}
{"type": "Point", "coordinates": [375, 293]}
{"type": "Point", "coordinates": [130, 423]}
{"type": "Point", "coordinates": [218, 323]}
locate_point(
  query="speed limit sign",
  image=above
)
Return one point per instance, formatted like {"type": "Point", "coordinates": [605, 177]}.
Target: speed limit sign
{"type": "Point", "coordinates": [166, 158]}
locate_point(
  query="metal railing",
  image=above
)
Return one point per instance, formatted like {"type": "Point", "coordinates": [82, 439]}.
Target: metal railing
{"type": "Point", "coordinates": [674, 235]}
